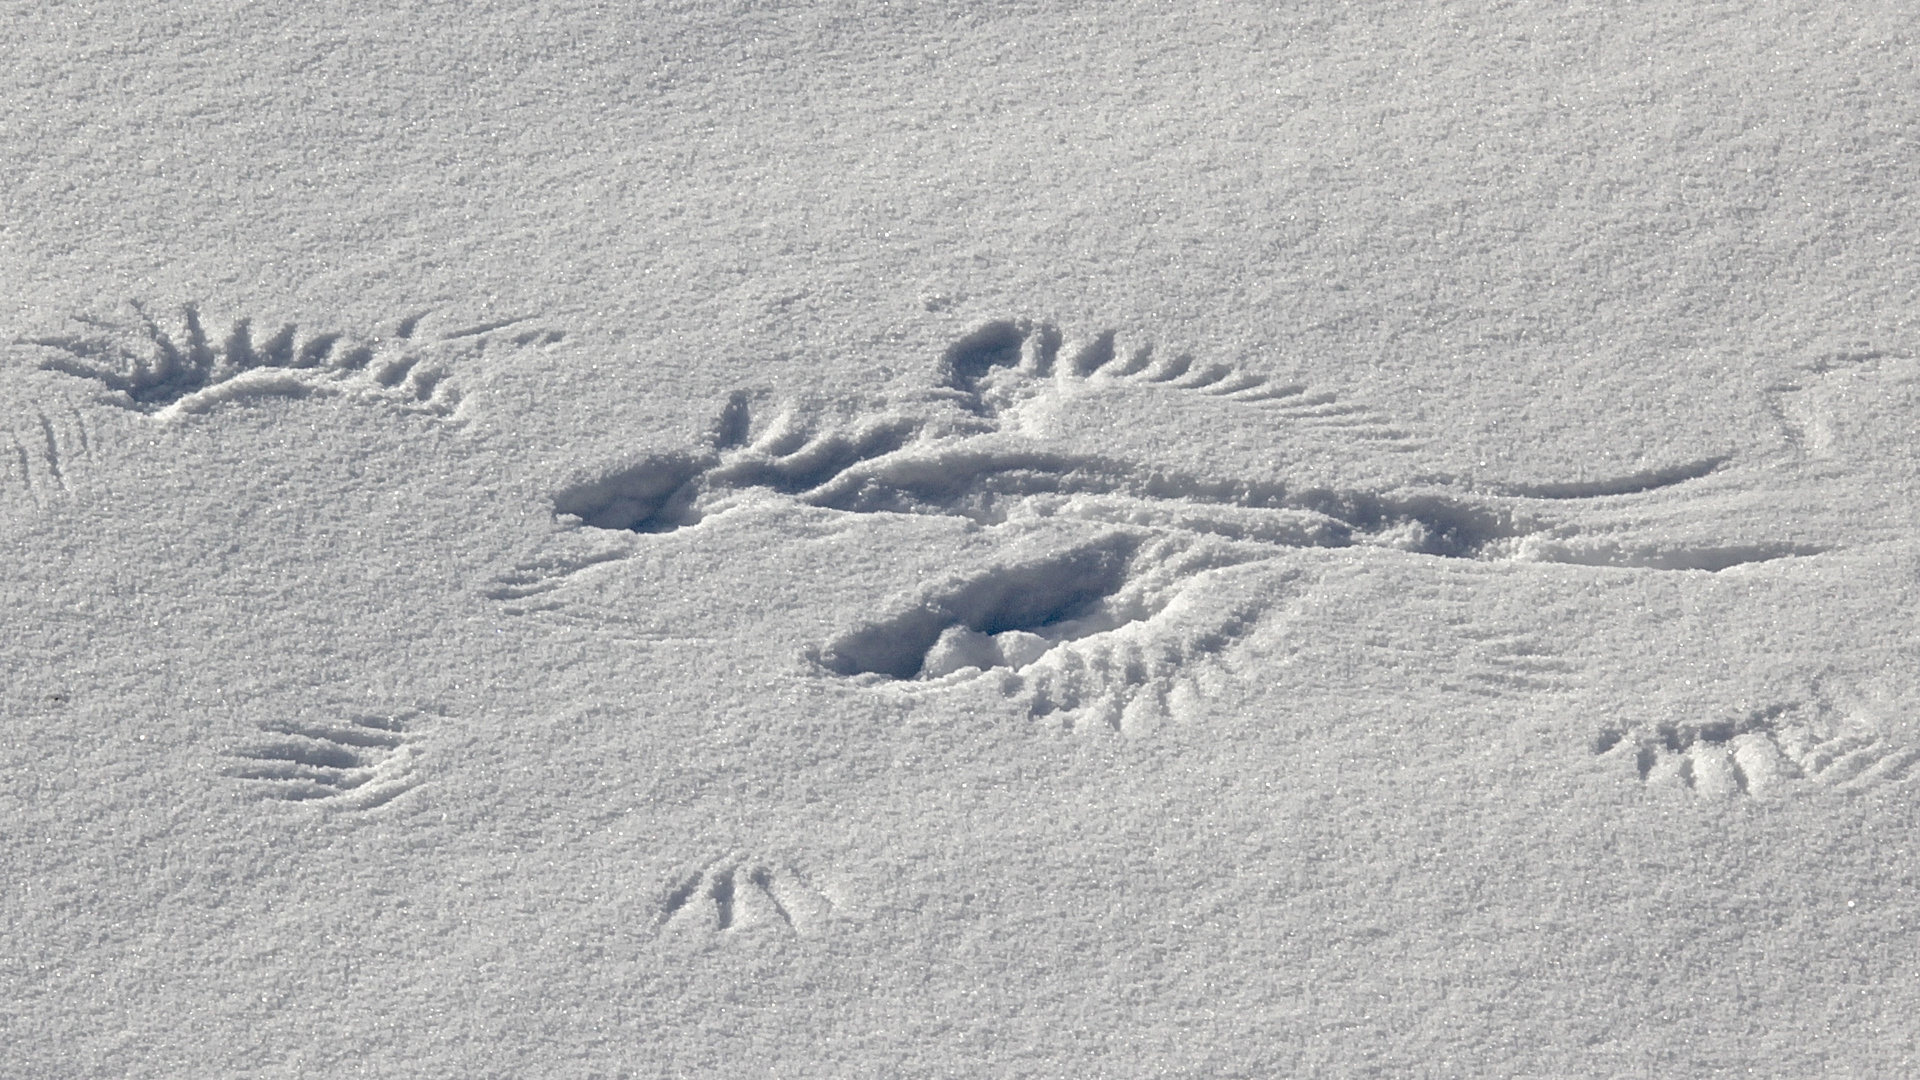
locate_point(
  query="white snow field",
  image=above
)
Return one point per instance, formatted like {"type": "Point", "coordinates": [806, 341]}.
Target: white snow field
{"type": "Point", "coordinates": [979, 540]}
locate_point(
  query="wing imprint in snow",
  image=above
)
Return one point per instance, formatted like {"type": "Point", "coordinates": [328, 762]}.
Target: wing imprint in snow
{"type": "Point", "coordinates": [177, 366]}
{"type": "Point", "coordinates": [738, 896]}
{"type": "Point", "coordinates": [1006, 365]}
{"type": "Point", "coordinates": [360, 763]}
{"type": "Point", "coordinates": [1091, 636]}
{"type": "Point", "coordinates": [48, 458]}
{"type": "Point", "coordinates": [1767, 752]}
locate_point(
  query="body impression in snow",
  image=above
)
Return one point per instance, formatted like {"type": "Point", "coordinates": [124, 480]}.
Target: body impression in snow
{"type": "Point", "coordinates": [1107, 630]}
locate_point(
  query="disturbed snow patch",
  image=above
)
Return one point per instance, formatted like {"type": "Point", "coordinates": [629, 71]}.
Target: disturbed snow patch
{"type": "Point", "coordinates": [1107, 632]}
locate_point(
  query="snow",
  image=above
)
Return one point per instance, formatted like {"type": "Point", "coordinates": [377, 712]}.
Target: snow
{"type": "Point", "coordinates": [1039, 539]}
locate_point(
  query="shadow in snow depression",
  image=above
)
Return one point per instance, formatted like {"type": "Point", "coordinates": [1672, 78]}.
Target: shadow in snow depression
{"type": "Point", "coordinates": [1005, 365]}
{"type": "Point", "coordinates": [740, 896]}
{"type": "Point", "coordinates": [1115, 633]}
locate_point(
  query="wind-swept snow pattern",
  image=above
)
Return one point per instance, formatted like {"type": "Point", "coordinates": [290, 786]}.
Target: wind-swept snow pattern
{"type": "Point", "coordinates": [170, 366]}
{"type": "Point", "coordinates": [358, 763]}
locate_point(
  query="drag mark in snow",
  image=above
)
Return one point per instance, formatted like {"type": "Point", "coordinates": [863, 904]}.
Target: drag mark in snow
{"type": "Point", "coordinates": [883, 467]}
{"type": "Point", "coordinates": [736, 896]}
{"type": "Point", "coordinates": [1766, 752]}
{"type": "Point", "coordinates": [361, 763]}
{"type": "Point", "coordinates": [989, 481]}
{"type": "Point", "coordinates": [170, 368]}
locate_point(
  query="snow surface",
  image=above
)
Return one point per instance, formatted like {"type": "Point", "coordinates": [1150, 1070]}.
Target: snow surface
{"type": "Point", "coordinates": [1028, 539]}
